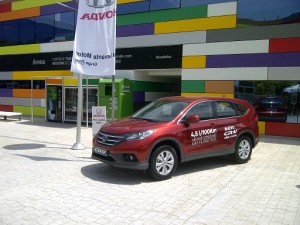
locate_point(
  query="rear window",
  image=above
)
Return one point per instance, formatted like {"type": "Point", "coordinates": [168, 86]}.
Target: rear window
{"type": "Point", "coordinates": [272, 101]}
{"type": "Point", "coordinates": [225, 109]}
{"type": "Point", "coordinates": [241, 109]}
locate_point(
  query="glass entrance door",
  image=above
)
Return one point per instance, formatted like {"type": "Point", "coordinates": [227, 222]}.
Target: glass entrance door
{"type": "Point", "coordinates": [54, 103]}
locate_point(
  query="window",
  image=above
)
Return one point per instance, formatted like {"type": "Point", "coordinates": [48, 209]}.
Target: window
{"type": "Point", "coordinates": [225, 109]}
{"type": "Point", "coordinates": [203, 110]}
{"type": "Point", "coordinates": [241, 109]}
{"type": "Point", "coordinates": [264, 95]}
{"type": "Point", "coordinates": [64, 26]}
{"type": "Point", "coordinates": [26, 34]}
{"type": "Point", "coordinates": [159, 4]}
{"type": "Point", "coordinates": [22, 84]}
{"type": "Point", "coordinates": [9, 33]}
{"type": "Point", "coordinates": [45, 29]}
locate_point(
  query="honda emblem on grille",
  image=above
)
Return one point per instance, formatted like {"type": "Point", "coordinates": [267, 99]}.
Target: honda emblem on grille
{"type": "Point", "coordinates": [104, 138]}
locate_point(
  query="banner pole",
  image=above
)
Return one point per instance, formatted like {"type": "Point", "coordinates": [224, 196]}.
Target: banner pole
{"type": "Point", "coordinates": [78, 145]}
{"type": "Point", "coordinates": [113, 98]}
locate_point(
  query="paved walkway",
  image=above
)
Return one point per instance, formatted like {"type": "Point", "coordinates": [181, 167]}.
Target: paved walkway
{"type": "Point", "coordinates": [43, 181]}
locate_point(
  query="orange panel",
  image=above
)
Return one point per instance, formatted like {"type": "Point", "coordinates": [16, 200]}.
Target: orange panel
{"type": "Point", "coordinates": [54, 81]}
{"type": "Point", "coordinates": [219, 87]}
{"type": "Point", "coordinates": [39, 93]}
{"type": "Point", "coordinates": [26, 93]}
{"type": "Point", "coordinates": [19, 14]}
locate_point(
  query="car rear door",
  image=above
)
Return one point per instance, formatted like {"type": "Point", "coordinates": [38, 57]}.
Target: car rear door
{"type": "Point", "coordinates": [229, 124]}
{"type": "Point", "coordinates": [201, 136]}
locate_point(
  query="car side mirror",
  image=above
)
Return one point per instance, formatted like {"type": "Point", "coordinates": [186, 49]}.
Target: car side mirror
{"type": "Point", "coordinates": [191, 119]}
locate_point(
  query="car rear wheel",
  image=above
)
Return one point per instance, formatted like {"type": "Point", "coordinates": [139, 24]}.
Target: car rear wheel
{"type": "Point", "coordinates": [243, 149]}
{"type": "Point", "coordinates": [163, 163]}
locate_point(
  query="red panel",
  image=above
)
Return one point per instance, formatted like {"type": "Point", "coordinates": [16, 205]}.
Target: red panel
{"type": "Point", "coordinates": [5, 7]}
{"type": "Point", "coordinates": [6, 108]}
{"type": "Point", "coordinates": [283, 129]}
{"type": "Point", "coordinates": [285, 45]}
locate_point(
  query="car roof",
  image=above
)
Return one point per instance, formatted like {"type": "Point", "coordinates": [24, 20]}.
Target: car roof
{"type": "Point", "coordinates": [195, 98]}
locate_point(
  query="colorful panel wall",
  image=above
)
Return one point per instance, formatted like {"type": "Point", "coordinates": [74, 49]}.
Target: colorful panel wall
{"type": "Point", "coordinates": [222, 41]}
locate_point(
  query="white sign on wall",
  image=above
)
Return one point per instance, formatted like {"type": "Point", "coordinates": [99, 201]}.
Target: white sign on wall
{"type": "Point", "coordinates": [98, 118]}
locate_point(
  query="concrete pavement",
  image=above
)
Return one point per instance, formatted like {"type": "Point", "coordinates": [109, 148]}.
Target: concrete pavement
{"type": "Point", "coordinates": [43, 181]}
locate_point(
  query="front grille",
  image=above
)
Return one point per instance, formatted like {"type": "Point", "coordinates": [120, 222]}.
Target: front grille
{"type": "Point", "coordinates": [109, 139]}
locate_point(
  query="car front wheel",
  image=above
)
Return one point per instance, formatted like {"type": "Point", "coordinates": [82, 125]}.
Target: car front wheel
{"type": "Point", "coordinates": [243, 149]}
{"type": "Point", "coordinates": [163, 163]}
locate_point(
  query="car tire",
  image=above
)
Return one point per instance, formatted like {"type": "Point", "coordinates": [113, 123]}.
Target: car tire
{"type": "Point", "coordinates": [243, 150]}
{"type": "Point", "coordinates": [163, 163]}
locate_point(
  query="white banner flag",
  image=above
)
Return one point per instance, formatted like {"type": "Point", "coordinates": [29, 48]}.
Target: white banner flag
{"type": "Point", "coordinates": [95, 38]}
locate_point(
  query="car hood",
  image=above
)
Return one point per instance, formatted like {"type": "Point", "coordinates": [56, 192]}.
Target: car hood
{"type": "Point", "coordinates": [129, 125]}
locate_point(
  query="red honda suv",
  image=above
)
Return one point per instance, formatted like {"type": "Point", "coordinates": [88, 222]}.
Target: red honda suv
{"type": "Point", "coordinates": [178, 129]}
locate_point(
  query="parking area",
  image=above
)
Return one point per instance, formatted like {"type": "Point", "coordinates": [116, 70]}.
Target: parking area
{"type": "Point", "coordinates": [43, 181]}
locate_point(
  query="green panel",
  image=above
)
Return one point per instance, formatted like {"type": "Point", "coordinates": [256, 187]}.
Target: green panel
{"type": "Point", "coordinates": [154, 86]}
{"type": "Point", "coordinates": [163, 15]}
{"type": "Point", "coordinates": [91, 81]}
{"type": "Point", "coordinates": [25, 110]}
{"type": "Point", "coordinates": [123, 97]}
{"type": "Point", "coordinates": [20, 49]}
{"type": "Point", "coordinates": [193, 86]}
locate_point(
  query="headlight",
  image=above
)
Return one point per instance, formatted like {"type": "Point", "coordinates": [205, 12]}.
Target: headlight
{"type": "Point", "coordinates": [139, 135]}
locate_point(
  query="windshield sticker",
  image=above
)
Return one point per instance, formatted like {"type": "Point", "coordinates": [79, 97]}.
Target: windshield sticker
{"type": "Point", "coordinates": [230, 132]}
{"type": "Point", "coordinates": [203, 136]}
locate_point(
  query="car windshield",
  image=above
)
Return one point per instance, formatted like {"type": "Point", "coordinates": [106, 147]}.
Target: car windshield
{"type": "Point", "coordinates": [160, 110]}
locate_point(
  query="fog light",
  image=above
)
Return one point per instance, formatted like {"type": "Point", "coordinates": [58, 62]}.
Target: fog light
{"type": "Point", "coordinates": [130, 157]}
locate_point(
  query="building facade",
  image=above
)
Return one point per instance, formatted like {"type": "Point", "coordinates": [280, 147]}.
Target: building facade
{"type": "Point", "coordinates": [247, 49]}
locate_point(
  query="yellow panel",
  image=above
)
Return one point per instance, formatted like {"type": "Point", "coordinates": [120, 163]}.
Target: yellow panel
{"type": "Point", "coordinates": [189, 62]}
{"type": "Point", "coordinates": [208, 95]}
{"type": "Point", "coordinates": [40, 75]}
{"type": "Point", "coordinates": [70, 82]}
{"type": "Point", "coordinates": [34, 3]}
{"type": "Point", "coordinates": [211, 23]}
{"type": "Point", "coordinates": [127, 1]}
{"type": "Point", "coordinates": [26, 110]}
{"type": "Point", "coordinates": [262, 127]}
{"type": "Point", "coordinates": [20, 49]}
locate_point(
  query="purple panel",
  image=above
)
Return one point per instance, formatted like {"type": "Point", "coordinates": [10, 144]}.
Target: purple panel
{"type": "Point", "coordinates": [284, 59]}
{"type": "Point", "coordinates": [253, 60]}
{"type": "Point", "coordinates": [135, 30]}
{"type": "Point", "coordinates": [56, 8]}
{"type": "Point", "coordinates": [249, 60]}
{"type": "Point", "coordinates": [138, 96]}
{"type": "Point", "coordinates": [6, 92]}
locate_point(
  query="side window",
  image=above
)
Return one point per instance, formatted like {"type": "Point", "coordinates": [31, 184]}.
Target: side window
{"type": "Point", "coordinates": [225, 109]}
{"type": "Point", "coordinates": [241, 109]}
{"type": "Point", "coordinates": [203, 109]}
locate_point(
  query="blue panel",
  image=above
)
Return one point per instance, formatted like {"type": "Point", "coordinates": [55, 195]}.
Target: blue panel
{"type": "Point", "coordinates": [133, 7]}
{"type": "Point", "coordinates": [186, 3]}
{"type": "Point", "coordinates": [166, 4]}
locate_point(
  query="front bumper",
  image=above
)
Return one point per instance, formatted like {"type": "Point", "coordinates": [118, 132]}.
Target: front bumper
{"type": "Point", "coordinates": [118, 160]}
